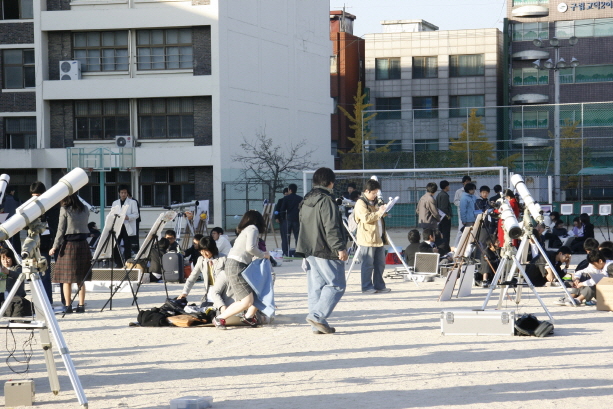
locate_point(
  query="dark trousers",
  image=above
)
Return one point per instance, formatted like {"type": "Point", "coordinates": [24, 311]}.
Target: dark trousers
{"type": "Point", "coordinates": [445, 228]}
{"type": "Point", "coordinates": [46, 278]}
{"type": "Point", "coordinates": [127, 247]}
{"type": "Point", "coordinates": [286, 237]}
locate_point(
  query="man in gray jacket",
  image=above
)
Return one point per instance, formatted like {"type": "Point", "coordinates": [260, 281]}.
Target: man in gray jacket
{"type": "Point", "coordinates": [427, 210]}
{"type": "Point", "coordinates": [323, 243]}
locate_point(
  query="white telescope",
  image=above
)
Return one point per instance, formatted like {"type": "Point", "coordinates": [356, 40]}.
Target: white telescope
{"type": "Point", "coordinates": [182, 205]}
{"type": "Point", "coordinates": [509, 221]}
{"type": "Point", "coordinates": [90, 207]}
{"type": "Point", "coordinates": [534, 208]}
{"type": "Point", "coordinates": [35, 207]}
{"type": "Point", "coordinates": [4, 182]}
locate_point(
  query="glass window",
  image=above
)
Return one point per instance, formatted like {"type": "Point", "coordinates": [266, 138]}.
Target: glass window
{"type": "Point", "coordinates": [467, 65]}
{"type": "Point", "coordinates": [584, 28]}
{"type": "Point", "coordinates": [530, 76]}
{"type": "Point", "coordinates": [16, 9]}
{"type": "Point", "coordinates": [531, 120]}
{"type": "Point", "coordinates": [20, 133]}
{"type": "Point", "coordinates": [462, 104]}
{"type": "Point", "coordinates": [164, 186]}
{"type": "Point", "coordinates": [387, 68]}
{"type": "Point", "coordinates": [425, 67]}
{"type": "Point", "coordinates": [166, 118]}
{"type": "Point", "coordinates": [164, 49]}
{"type": "Point", "coordinates": [422, 145]}
{"type": "Point", "coordinates": [394, 145]}
{"type": "Point", "coordinates": [388, 104]}
{"type": "Point", "coordinates": [333, 64]}
{"type": "Point", "coordinates": [102, 119]}
{"type": "Point", "coordinates": [101, 50]}
{"type": "Point", "coordinates": [565, 29]}
{"type": "Point", "coordinates": [425, 107]}
{"type": "Point", "coordinates": [567, 76]}
{"type": "Point", "coordinates": [18, 69]}
{"type": "Point", "coordinates": [603, 27]}
{"type": "Point", "coordinates": [596, 73]}
{"type": "Point", "coordinates": [530, 31]}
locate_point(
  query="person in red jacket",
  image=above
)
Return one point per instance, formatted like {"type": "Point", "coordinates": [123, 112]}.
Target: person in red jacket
{"type": "Point", "coordinates": [510, 197]}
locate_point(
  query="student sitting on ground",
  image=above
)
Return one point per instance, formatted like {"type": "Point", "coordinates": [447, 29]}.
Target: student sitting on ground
{"type": "Point", "coordinates": [155, 259]}
{"type": "Point", "coordinates": [413, 247]}
{"type": "Point", "coordinates": [584, 282]}
{"type": "Point", "coordinates": [489, 256]}
{"type": "Point", "coordinates": [589, 245]}
{"type": "Point", "coordinates": [540, 273]}
{"type": "Point", "coordinates": [174, 247]}
{"type": "Point", "coordinates": [557, 234]}
{"type": "Point", "coordinates": [210, 263]}
{"type": "Point", "coordinates": [585, 230]}
{"type": "Point", "coordinates": [193, 253]}
{"type": "Point", "coordinates": [9, 273]}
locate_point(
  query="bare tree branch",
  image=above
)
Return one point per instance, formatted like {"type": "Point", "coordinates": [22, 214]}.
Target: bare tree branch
{"type": "Point", "coordinates": [270, 164]}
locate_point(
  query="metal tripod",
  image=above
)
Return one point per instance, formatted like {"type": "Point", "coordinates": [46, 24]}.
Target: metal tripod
{"type": "Point", "coordinates": [47, 325]}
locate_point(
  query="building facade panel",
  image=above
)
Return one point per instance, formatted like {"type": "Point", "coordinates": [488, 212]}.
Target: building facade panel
{"type": "Point", "coordinates": [203, 121]}
{"type": "Point", "coordinates": [201, 37]}
{"type": "Point", "coordinates": [17, 33]}
{"type": "Point", "coordinates": [62, 124]}
{"type": "Point", "coordinates": [60, 49]}
{"type": "Point", "coordinates": [17, 101]}
{"type": "Point", "coordinates": [58, 5]}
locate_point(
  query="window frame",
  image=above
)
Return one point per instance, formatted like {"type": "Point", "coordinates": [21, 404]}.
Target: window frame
{"type": "Point", "coordinates": [20, 12]}
{"type": "Point", "coordinates": [87, 67]}
{"type": "Point", "coordinates": [150, 188]}
{"type": "Point", "coordinates": [102, 118]}
{"type": "Point", "coordinates": [385, 104]}
{"type": "Point", "coordinates": [141, 118]}
{"type": "Point", "coordinates": [427, 112]}
{"type": "Point", "coordinates": [424, 145]}
{"type": "Point", "coordinates": [423, 67]}
{"type": "Point", "coordinates": [458, 111]}
{"type": "Point", "coordinates": [542, 31]}
{"type": "Point", "coordinates": [22, 132]}
{"type": "Point", "coordinates": [539, 78]}
{"type": "Point", "coordinates": [396, 71]}
{"type": "Point", "coordinates": [27, 80]}
{"type": "Point", "coordinates": [521, 122]}
{"type": "Point", "coordinates": [454, 68]}
{"type": "Point", "coordinates": [165, 45]}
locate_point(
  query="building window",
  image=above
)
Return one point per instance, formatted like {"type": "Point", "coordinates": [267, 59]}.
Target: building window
{"type": "Point", "coordinates": [588, 73]}
{"type": "Point", "coordinates": [17, 9]}
{"type": "Point", "coordinates": [531, 120]}
{"type": "Point", "coordinates": [18, 69]}
{"type": "Point", "coordinates": [387, 68]}
{"type": "Point", "coordinates": [164, 49]}
{"type": "Point", "coordinates": [388, 104]}
{"type": "Point", "coordinates": [101, 50]}
{"type": "Point", "coordinates": [530, 76]}
{"type": "Point", "coordinates": [112, 181]}
{"type": "Point", "coordinates": [530, 31]}
{"type": "Point", "coordinates": [600, 27]}
{"type": "Point", "coordinates": [425, 67]}
{"type": "Point", "coordinates": [166, 118]}
{"type": "Point", "coordinates": [20, 133]}
{"type": "Point", "coordinates": [394, 145]}
{"type": "Point", "coordinates": [596, 115]}
{"type": "Point", "coordinates": [461, 105]}
{"type": "Point", "coordinates": [528, 2]}
{"type": "Point", "coordinates": [425, 107]}
{"type": "Point", "coordinates": [333, 64]}
{"type": "Point", "coordinates": [422, 145]}
{"type": "Point", "coordinates": [163, 186]}
{"type": "Point", "coordinates": [466, 65]}
{"type": "Point", "coordinates": [102, 119]}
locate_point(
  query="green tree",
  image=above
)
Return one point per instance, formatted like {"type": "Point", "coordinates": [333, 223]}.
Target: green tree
{"type": "Point", "coordinates": [352, 159]}
{"type": "Point", "coordinates": [472, 148]}
{"type": "Point", "coordinates": [573, 155]}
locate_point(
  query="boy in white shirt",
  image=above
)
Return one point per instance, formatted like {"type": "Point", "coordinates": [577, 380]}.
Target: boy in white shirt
{"type": "Point", "coordinates": [584, 282]}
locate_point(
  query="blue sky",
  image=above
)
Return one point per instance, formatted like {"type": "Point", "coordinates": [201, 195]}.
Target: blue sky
{"type": "Point", "coordinates": [446, 14]}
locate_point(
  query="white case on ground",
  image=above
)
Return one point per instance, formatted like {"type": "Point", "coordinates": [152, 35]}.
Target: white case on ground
{"type": "Point", "coordinates": [469, 322]}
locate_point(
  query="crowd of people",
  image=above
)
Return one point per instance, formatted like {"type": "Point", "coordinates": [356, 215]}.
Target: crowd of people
{"type": "Point", "coordinates": [321, 238]}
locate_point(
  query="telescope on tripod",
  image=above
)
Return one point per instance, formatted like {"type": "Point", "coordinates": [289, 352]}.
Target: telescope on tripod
{"type": "Point", "coordinates": [28, 215]}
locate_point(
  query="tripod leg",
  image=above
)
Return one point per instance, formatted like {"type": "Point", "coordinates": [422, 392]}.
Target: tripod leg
{"type": "Point", "coordinates": [45, 341]}
{"type": "Point", "coordinates": [536, 294]}
{"type": "Point", "coordinates": [45, 307]}
{"type": "Point", "coordinates": [9, 298]}
{"type": "Point", "coordinates": [357, 252]}
{"type": "Point", "coordinates": [499, 272]}
{"type": "Point", "coordinates": [555, 273]}
{"type": "Point", "coordinates": [408, 270]}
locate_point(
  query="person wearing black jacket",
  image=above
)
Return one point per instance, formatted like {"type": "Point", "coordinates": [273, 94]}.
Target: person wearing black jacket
{"type": "Point", "coordinates": [444, 205]}
{"type": "Point", "coordinates": [588, 233]}
{"type": "Point", "coordinates": [290, 210]}
{"type": "Point", "coordinates": [193, 252]}
{"type": "Point", "coordinates": [280, 217]}
{"type": "Point", "coordinates": [323, 243]}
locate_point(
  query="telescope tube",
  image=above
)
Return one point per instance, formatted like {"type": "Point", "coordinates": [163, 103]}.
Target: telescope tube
{"type": "Point", "coordinates": [509, 221]}
{"type": "Point", "coordinates": [533, 207]}
{"type": "Point", "coordinates": [4, 182]}
{"type": "Point", "coordinates": [33, 209]}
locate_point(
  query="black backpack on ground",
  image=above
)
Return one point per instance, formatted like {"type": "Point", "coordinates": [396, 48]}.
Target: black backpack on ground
{"type": "Point", "coordinates": [529, 325]}
{"type": "Point", "coordinates": [19, 307]}
{"type": "Point", "coordinates": [152, 318]}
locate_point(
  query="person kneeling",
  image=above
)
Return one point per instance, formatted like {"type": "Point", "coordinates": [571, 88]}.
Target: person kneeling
{"type": "Point", "coordinates": [584, 282]}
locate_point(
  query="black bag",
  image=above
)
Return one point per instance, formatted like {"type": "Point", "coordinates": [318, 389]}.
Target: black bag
{"type": "Point", "coordinates": [544, 329]}
{"type": "Point", "coordinates": [172, 265]}
{"type": "Point", "coordinates": [19, 307]}
{"type": "Point", "coordinates": [152, 318]}
{"type": "Point", "coordinates": [526, 325]}
{"type": "Point", "coordinates": [174, 306]}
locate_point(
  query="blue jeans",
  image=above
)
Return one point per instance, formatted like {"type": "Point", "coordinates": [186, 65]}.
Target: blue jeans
{"type": "Point", "coordinates": [373, 264]}
{"type": "Point", "coordinates": [326, 286]}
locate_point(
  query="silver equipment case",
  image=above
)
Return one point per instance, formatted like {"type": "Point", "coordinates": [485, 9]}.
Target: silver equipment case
{"type": "Point", "coordinates": [469, 322]}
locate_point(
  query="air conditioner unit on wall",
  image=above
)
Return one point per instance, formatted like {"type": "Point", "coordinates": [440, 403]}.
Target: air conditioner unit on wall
{"type": "Point", "coordinates": [70, 70]}
{"type": "Point", "coordinates": [122, 141]}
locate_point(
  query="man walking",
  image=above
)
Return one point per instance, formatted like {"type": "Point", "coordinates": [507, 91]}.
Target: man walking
{"type": "Point", "coordinates": [444, 205]}
{"type": "Point", "coordinates": [128, 229]}
{"type": "Point", "coordinates": [322, 241]}
{"type": "Point", "coordinates": [370, 237]}
{"type": "Point", "coordinates": [290, 209]}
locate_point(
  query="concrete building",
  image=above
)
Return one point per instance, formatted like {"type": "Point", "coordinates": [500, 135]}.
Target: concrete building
{"type": "Point", "coordinates": [346, 71]}
{"type": "Point", "coordinates": [428, 80]}
{"type": "Point", "coordinates": [588, 87]}
{"type": "Point", "coordinates": [187, 80]}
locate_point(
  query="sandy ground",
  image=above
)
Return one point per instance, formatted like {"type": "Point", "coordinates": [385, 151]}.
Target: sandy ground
{"type": "Point", "coordinates": [388, 352]}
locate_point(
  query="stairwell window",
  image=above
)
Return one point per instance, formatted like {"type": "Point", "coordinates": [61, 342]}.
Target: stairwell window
{"type": "Point", "coordinates": [102, 119]}
{"type": "Point", "coordinates": [467, 65]}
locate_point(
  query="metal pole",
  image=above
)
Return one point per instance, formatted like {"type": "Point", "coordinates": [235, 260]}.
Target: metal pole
{"type": "Point", "coordinates": [556, 124]}
{"type": "Point", "coordinates": [102, 198]}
